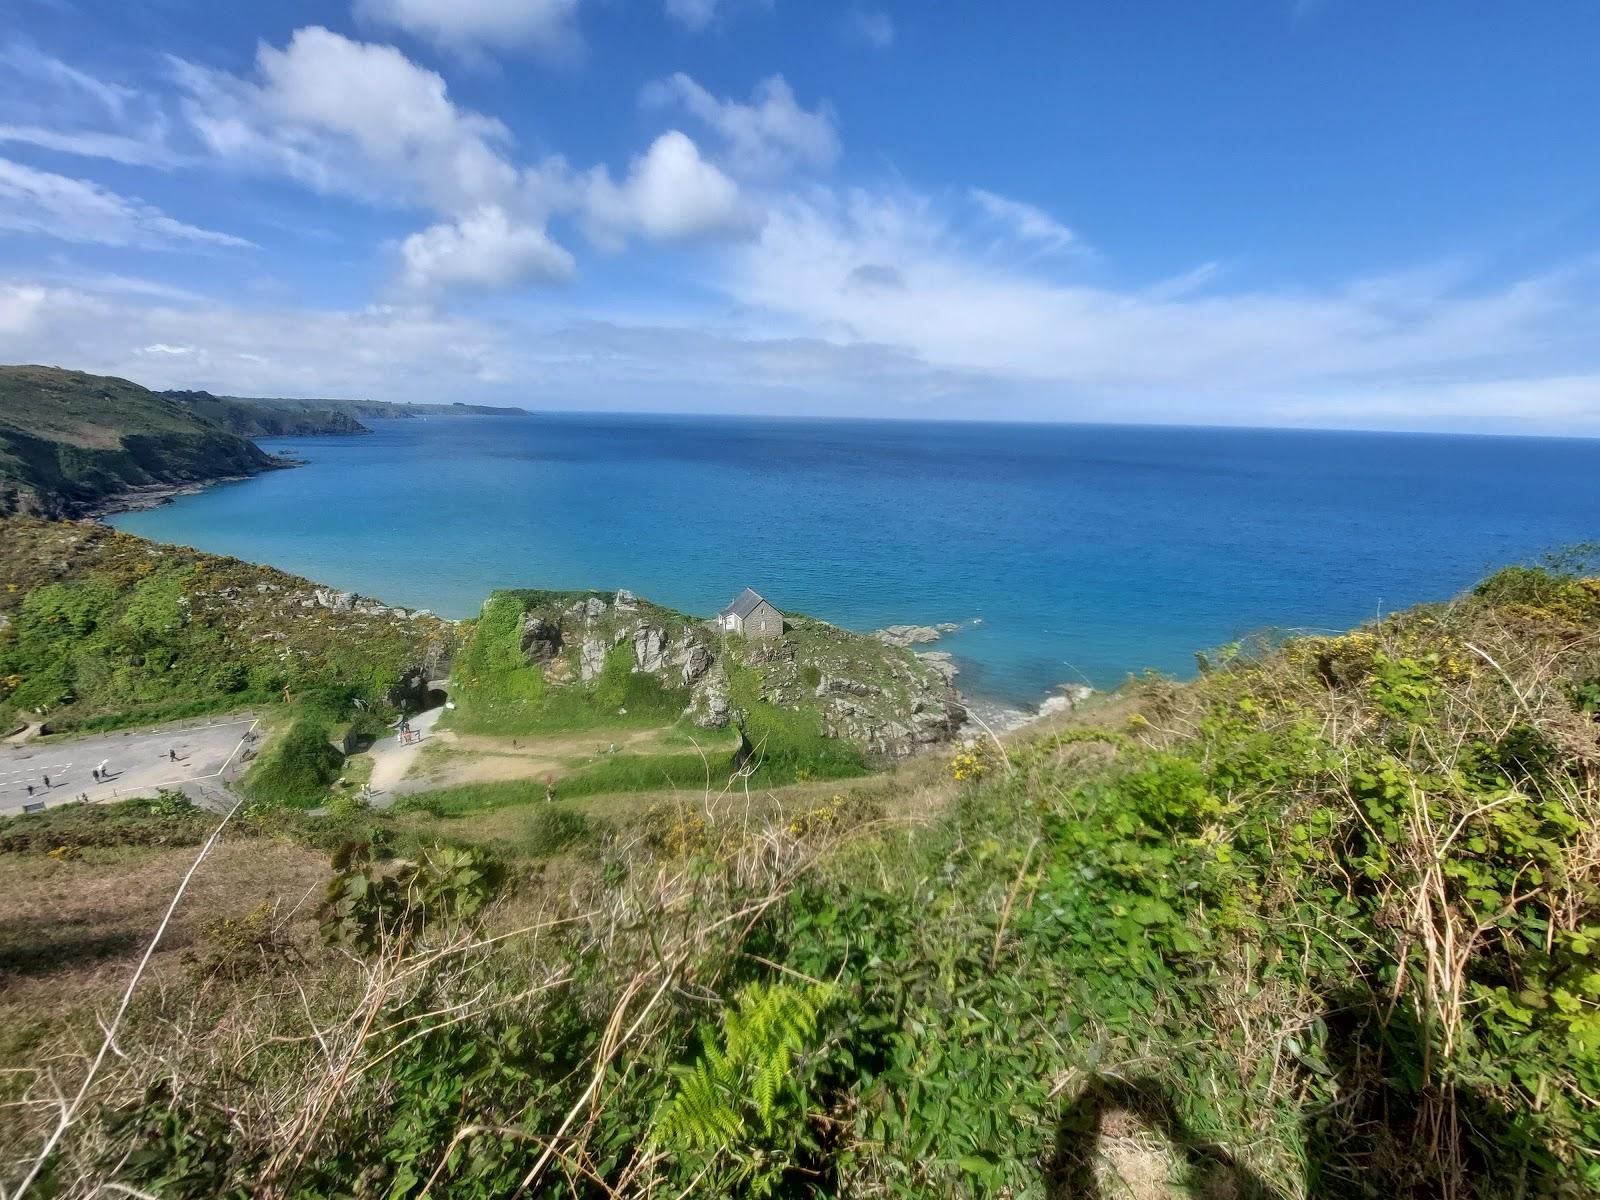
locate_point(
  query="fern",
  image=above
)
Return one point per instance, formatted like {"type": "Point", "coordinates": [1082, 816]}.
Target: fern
{"type": "Point", "coordinates": [746, 1076]}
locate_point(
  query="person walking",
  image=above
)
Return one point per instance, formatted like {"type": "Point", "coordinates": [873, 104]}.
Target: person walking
{"type": "Point", "coordinates": [96, 774]}
{"type": "Point", "coordinates": [172, 756]}
{"type": "Point", "coordinates": [30, 789]}
{"type": "Point", "coordinates": [47, 783]}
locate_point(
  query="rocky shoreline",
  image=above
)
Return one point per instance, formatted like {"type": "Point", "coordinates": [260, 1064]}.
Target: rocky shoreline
{"type": "Point", "coordinates": [154, 495]}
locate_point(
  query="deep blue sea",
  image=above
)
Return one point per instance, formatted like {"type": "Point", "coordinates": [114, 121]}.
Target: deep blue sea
{"type": "Point", "coordinates": [1087, 551]}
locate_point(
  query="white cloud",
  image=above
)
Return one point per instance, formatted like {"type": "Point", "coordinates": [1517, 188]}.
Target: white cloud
{"type": "Point", "coordinates": [414, 353]}
{"type": "Point", "coordinates": [670, 193]}
{"type": "Point", "coordinates": [57, 107]}
{"type": "Point", "coordinates": [872, 26]}
{"type": "Point", "coordinates": [1181, 364]}
{"type": "Point", "coordinates": [483, 250]}
{"type": "Point", "coordinates": [894, 270]}
{"type": "Point", "coordinates": [770, 133]}
{"type": "Point", "coordinates": [699, 15]}
{"type": "Point", "coordinates": [342, 115]}
{"type": "Point", "coordinates": [1024, 222]}
{"type": "Point", "coordinates": [461, 25]}
{"type": "Point", "coordinates": [364, 120]}
{"type": "Point", "coordinates": [75, 210]}
{"type": "Point", "coordinates": [361, 119]}
{"type": "Point", "coordinates": [90, 143]}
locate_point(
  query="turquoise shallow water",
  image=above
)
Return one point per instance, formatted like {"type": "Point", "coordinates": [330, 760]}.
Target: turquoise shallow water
{"type": "Point", "coordinates": [1087, 551]}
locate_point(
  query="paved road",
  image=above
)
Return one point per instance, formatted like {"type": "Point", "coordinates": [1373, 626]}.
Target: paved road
{"type": "Point", "coordinates": [137, 763]}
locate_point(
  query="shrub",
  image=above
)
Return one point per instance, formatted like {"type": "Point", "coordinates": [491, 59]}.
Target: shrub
{"type": "Point", "coordinates": [296, 767]}
{"type": "Point", "coordinates": [554, 827]}
{"type": "Point", "coordinates": [168, 820]}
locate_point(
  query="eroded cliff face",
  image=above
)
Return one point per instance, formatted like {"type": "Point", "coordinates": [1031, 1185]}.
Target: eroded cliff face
{"type": "Point", "coordinates": [883, 698]}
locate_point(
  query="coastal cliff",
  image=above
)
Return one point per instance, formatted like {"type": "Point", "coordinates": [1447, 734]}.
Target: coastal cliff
{"type": "Point", "coordinates": [70, 443]}
{"type": "Point", "coordinates": [74, 444]}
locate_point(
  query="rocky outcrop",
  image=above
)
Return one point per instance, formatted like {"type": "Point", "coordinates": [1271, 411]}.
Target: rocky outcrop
{"type": "Point", "coordinates": [541, 640]}
{"type": "Point", "coordinates": [915, 635]}
{"type": "Point", "coordinates": [649, 649]}
{"type": "Point", "coordinates": [878, 695]}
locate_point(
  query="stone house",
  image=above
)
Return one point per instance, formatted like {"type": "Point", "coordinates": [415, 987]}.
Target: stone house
{"type": "Point", "coordinates": [752, 616]}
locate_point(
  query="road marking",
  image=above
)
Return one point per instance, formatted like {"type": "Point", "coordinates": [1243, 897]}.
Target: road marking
{"type": "Point", "coordinates": [116, 792]}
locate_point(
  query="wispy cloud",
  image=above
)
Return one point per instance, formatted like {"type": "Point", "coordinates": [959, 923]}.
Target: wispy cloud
{"type": "Point", "coordinates": [870, 26]}
{"type": "Point", "coordinates": [75, 210]}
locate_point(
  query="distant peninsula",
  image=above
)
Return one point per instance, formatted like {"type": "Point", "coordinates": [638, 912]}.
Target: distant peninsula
{"type": "Point", "coordinates": [75, 445]}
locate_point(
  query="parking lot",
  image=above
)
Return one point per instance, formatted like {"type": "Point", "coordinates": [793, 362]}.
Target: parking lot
{"type": "Point", "coordinates": [132, 763]}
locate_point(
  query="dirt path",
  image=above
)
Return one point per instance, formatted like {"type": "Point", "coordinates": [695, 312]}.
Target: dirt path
{"type": "Point", "coordinates": [476, 758]}
{"type": "Point", "coordinates": [393, 759]}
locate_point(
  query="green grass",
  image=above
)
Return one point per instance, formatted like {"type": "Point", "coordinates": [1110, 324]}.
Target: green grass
{"type": "Point", "coordinates": [788, 744]}
{"type": "Point", "coordinates": [107, 630]}
{"type": "Point", "coordinates": [296, 767]}
{"type": "Point", "coordinates": [70, 440]}
{"type": "Point", "coordinates": [166, 820]}
{"type": "Point", "coordinates": [500, 693]}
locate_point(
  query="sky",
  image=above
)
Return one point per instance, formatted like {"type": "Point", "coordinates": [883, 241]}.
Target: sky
{"type": "Point", "coordinates": [1328, 213]}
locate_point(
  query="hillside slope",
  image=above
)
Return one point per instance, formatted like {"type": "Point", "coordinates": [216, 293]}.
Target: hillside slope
{"type": "Point", "coordinates": [70, 442]}
{"type": "Point", "coordinates": [101, 626]}
{"type": "Point", "coordinates": [251, 419]}
{"type": "Point", "coordinates": [1323, 923]}
{"type": "Point", "coordinates": [378, 410]}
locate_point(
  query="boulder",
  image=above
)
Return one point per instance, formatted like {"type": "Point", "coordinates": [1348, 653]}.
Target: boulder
{"type": "Point", "coordinates": [697, 660]}
{"type": "Point", "coordinates": [591, 659]}
{"type": "Point", "coordinates": [913, 635]}
{"type": "Point", "coordinates": [649, 648]}
{"type": "Point", "coordinates": [625, 600]}
{"type": "Point", "coordinates": [594, 607]}
{"type": "Point", "coordinates": [541, 640]}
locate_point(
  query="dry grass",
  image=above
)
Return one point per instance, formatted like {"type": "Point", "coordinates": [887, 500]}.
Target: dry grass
{"type": "Point", "coordinates": [75, 928]}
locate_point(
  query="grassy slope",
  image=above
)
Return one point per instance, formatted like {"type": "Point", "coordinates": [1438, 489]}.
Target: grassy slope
{"type": "Point", "coordinates": [249, 419]}
{"type": "Point", "coordinates": [498, 692]}
{"type": "Point", "coordinates": [1323, 923]}
{"type": "Point", "coordinates": [103, 627]}
{"type": "Point", "coordinates": [69, 441]}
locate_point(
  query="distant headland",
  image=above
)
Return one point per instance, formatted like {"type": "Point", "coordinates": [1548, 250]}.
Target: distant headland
{"type": "Point", "coordinates": [76, 445]}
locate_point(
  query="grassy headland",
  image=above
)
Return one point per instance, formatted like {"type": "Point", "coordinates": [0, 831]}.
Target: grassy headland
{"type": "Point", "coordinates": [70, 442]}
{"type": "Point", "coordinates": [73, 444]}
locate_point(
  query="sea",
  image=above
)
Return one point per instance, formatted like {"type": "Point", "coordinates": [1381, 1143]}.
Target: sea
{"type": "Point", "coordinates": [1067, 554]}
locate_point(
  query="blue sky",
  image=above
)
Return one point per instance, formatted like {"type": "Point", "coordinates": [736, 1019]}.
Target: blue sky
{"type": "Point", "coordinates": [1283, 212]}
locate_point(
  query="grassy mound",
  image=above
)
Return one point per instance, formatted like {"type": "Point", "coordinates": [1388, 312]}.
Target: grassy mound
{"type": "Point", "coordinates": [498, 691]}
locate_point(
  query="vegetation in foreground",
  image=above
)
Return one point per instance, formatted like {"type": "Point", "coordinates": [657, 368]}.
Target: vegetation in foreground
{"type": "Point", "coordinates": [1324, 923]}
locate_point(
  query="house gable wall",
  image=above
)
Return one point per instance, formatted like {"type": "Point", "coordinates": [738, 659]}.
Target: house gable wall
{"type": "Point", "coordinates": [763, 621]}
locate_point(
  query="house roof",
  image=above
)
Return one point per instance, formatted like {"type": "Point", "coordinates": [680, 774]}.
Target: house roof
{"type": "Point", "coordinates": [743, 605]}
